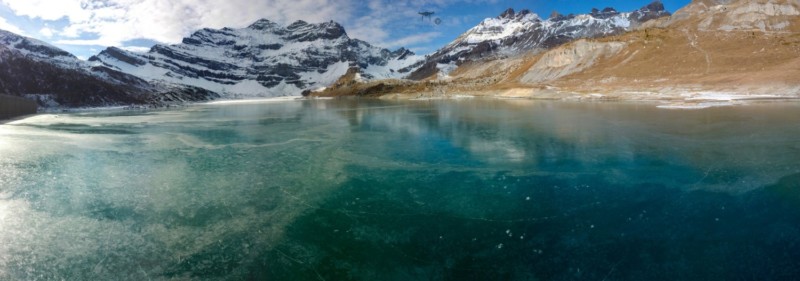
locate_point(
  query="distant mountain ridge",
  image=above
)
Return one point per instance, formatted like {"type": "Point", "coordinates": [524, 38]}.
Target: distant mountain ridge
{"type": "Point", "coordinates": [519, 32]}
{"type": "Point", "coordinates": [263, 59]}
{"type": "Point", "coordinates": [55, 78]}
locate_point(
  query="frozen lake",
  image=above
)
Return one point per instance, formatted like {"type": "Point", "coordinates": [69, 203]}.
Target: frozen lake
{"type": "Point", "coordinates": [403, 190]}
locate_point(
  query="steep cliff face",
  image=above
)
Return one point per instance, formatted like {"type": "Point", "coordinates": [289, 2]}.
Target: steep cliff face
{"type": "Point", "coordinates": [570, 59]}
{"type": "Point", "coordinates": [264, 59]}
{"type": "Point", "coordinates": [514, 33]}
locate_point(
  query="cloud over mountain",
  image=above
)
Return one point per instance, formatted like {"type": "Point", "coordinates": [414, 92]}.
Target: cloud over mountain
{"type": "Point", "coordinates": [118, 22]}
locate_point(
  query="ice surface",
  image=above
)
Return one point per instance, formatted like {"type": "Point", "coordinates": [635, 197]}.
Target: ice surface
{"type": "Point", "coordinates": [285, 189]}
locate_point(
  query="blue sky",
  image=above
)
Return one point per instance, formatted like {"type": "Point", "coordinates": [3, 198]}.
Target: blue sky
{"type": "Point", "coordinates": [85, 27]}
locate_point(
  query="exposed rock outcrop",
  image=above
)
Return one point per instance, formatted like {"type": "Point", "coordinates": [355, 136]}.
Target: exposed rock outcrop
{"type": "Point", "coordinates": [573, 58]}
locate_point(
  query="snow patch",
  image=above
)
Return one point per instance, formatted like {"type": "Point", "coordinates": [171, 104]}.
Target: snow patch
{"type": "Point", "coordinates": [723, 96]}
{"type": "Point", "coordinates": [445, 69]}
{"type": "Point", "coordinates": [702, 105]}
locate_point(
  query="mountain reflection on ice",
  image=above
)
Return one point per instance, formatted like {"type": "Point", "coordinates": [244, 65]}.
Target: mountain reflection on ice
{"type": "Point", "coordinates": [402, 190]}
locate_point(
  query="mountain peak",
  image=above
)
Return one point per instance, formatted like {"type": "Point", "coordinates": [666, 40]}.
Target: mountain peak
{"type": "Point", "coordinates": [402, 53]}
{"type": "Point", "coordinates": [263, 24]}
{"type": "Point", "coordinates": [334, 29]}
{"type": "Point", "coordinates": [37, 48]}
{"type": "Point", "coordinates": [297, 24]}
{"type": "Point", "coordinates": [595, 11]}
{"type": "Point", "coordinates": [652, 11]}
{"type": "Point", "coordinates": [604, 14]}
{"type": "Point", "coordinates": [507, 14]}
{"type": "Point", "coordinates": [655, 6]}
{"type": "Point", "coordinates": [510, 14]}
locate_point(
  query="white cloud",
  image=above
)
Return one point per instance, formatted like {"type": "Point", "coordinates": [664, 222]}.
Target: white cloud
{"type": "Point", "coordinates": [5, 25]}
{"type": "Point", "coordinates": [383, 18]}
{"type": "Point", "coordinates": [87, 42]}
{"type": "Point", "coordinates": [114, 22]}
{"type": "Point", "coordinates": [136, 49]}
{"type": "Point", "coordinates": [47, 32]}
{"type": "Point", "coordinates": [48, 10]}
{"type": "Point", "coordinates": [412, 40]}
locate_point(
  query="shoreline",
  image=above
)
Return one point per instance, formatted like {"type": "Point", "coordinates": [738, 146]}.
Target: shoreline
{"type": "Point", "coordinates": [683, 99]}
{"type": "Point", "coordinates": [56, 110]}
{"type": "Point", "coordinates": [4, 121]}
{"type": "Point", "coordinates": [697, 100]}
{"type": "Point", "coordinates": [250, 100]}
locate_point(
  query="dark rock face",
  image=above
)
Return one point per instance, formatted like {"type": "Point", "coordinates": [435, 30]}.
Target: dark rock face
{"type": "Point", "coordinates": [121, 55]}
{"type": "Point", "coordinates": [528, 32]}
{"type": "Point", "coordinates": [402, 53]}
{"type": "Point", "coordinates": [45, 50]}
{"type": "Point", "coordinates": [177, 94]}
{"type": "Point", "coordinates": [605, 13]}
{"type": "Point", "coordinates": [299, 55]}
{"type": "Point", "coordinates": [424, 71]}
{"type": "Point", "coordinates": [653, 10]}
{"type": "Point", "coordinates": [507, 14]}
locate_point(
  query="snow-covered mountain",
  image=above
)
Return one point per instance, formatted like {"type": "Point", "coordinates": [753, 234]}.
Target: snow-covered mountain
{"type": "Point", "coordinates": [53, 77]}
{"type": "Point", "coordinates": [36, 50]}
{"type": "Point", "coordinates": [516, 32]}
{"type": "Point", "coordinates": [263, 59]}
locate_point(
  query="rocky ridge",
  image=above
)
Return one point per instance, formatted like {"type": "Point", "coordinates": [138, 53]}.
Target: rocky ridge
{"type": "Point", "coordinates": [263, 59]}
{"type": "Point", "coordinates": [513, 33]}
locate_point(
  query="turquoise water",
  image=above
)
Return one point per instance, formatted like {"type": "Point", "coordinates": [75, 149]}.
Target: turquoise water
{"type": "Point", "coordinates": [403, 190]}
